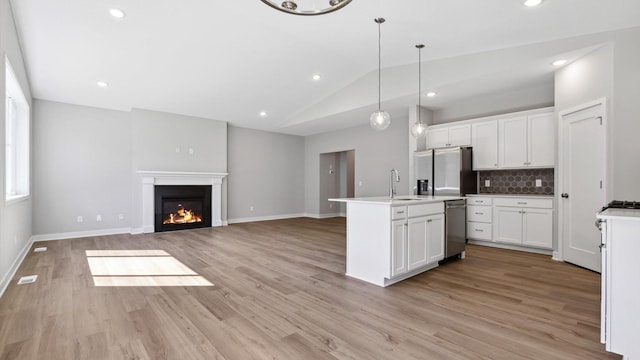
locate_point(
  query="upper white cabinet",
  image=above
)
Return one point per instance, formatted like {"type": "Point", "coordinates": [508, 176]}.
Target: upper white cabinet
{"type": "Point", "coordinates": [485, 145]}
{"type": "Point", "coordinates": [457, 135]}
{"type": "Point", "coordinates": [526, 141]}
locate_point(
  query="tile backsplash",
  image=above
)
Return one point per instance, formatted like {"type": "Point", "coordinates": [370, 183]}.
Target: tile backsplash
{"type": "Point", "coordinates": [520, 181]}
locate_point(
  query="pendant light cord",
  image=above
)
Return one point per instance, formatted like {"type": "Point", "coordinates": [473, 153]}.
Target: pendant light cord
{"type": "Point", "coordinates": [420, 46]}
{"type": "Point", "coordinates": [379, 67]}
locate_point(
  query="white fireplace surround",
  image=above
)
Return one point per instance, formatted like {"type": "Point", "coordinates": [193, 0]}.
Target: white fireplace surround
{"type": "Point", "coordinates": [152, 178]}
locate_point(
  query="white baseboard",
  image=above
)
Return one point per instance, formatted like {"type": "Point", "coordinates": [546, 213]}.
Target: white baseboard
{"type": "Point", "coordinates": [510, 247]}
{"type": "Point", "coordinates": [137, 231]}
{"type": "Point", "coordinates": [324, 216]}
{"type": "Point", "coordinates": [225, 223]}
{"type": "Point", "coordinates": [264, 218]}
{"type": "Point", "coordinates": [81, 234]}
{"type": "Point", "coordinates": [557, 256]}
{"type": "Point", "coordinates": [6, 280]}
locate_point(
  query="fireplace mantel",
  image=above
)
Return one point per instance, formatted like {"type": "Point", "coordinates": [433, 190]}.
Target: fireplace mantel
{"type": "Point", "coordinates": [149, 179]}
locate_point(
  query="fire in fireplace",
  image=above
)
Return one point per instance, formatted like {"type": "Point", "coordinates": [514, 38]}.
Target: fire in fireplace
{"type": "Point", "coordinates": [181, 207]}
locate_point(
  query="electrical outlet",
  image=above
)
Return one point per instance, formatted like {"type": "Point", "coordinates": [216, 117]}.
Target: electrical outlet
{"type": "Point", "coordinates": [177, 150]}
{"type": "Point", "coordinates": [79, 219]}
{"type": "Point", "coordinates": [120, 216]}
{"type": "Point", "coordinates": [250, 208]}
{"type": "Point", "coordinates": [487, 183]}
{"type": "Point", "coordinates": [191, 151]}
{"type": "Point", "coordinates": [360, 183]}
{"type": "Point", "coordinates": [98, 217]}
{"type": "Point", "coordinates": [538, 183]}
{"type": "Point", "coordinates": [330, 205]}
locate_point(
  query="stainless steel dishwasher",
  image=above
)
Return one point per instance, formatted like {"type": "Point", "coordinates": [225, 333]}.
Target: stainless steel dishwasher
{"type": "Point", "coordinates": [455, 227]}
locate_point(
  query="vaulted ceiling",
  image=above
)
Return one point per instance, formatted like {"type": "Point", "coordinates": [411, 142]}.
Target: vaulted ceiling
{"type": "Point", "coordinates": [231, 60]}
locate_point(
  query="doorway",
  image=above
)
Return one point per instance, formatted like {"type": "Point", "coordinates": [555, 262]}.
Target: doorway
{"type": "Point", "coordinates": [582, 182]}
{"type": "Point", "coordinates": [337, 180]}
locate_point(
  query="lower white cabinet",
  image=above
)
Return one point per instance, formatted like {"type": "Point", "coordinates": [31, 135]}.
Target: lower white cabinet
{"type": "Point", "coordinates": [416, 242]}
{"type": "Point", "coordinates": [523, 221]}
{"type": "Point", "coordinates": [526, 222]}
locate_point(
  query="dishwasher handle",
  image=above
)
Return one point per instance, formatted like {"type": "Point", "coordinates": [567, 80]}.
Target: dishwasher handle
{"type": "Point", "coordinates": [454, 206]}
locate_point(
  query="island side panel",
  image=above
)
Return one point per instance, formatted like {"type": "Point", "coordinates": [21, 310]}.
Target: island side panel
{"type": "Point", "coordinates": [368, 241]}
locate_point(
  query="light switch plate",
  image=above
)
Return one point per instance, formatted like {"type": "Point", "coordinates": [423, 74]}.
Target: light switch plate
{"type": "Point", "coordinates": [538, 183]}
{"type": "Point", "coordinates": [487, 183]}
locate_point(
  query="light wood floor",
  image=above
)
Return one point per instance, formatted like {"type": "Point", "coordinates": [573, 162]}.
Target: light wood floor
{"type": "Point", "coordinates": [280, 292]}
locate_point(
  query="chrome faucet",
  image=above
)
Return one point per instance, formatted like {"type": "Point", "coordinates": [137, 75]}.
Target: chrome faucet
{"type": "Point", "coordinates": [393, 175]}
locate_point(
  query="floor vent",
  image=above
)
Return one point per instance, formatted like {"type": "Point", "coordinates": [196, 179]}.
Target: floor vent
{"type": "Point", "coordinates": [40, 249]}
{"type": "Point", "coordinates": [27, 279]}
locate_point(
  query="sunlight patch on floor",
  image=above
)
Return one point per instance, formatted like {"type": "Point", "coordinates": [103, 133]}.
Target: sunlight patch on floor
{"type": "Point", "coordinates": [140, 268]}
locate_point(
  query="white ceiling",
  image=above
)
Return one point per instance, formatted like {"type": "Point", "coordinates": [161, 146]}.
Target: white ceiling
{"type": "Point", "coordinates": [229, 60]}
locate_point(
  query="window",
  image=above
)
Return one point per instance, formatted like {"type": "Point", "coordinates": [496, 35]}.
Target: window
{"type": "Point", "coordinates": [17, 177]}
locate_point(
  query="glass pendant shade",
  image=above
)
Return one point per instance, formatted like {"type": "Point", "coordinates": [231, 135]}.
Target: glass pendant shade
{"type": "Point", "coordinates": [418, 129]}
{"type": "Point", "coordinates": [380, 120]}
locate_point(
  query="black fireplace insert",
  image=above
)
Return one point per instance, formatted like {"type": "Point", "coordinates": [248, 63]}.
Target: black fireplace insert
{"type": "Point", "coordinates": [180, 207]}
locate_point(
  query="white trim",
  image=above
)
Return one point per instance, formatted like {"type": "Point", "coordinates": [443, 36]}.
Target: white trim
{"type": "Point", "coordinates": [323, 216]}
{"type": "Point", "coordinates": [6, 280]}
{"type": "Point", "coordinates": [81, 234]}
{"type": "Point", "coordinates": [265, 218]}
{"type": "Point", "coordinates": [510, 247]}
{"type": "Point", "coordinates": [558, 255]}
{"type": "Point", "coordinates": [14, 199]}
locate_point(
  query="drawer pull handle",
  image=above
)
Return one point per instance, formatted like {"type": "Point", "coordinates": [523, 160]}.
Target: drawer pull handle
{"type": "Point", "coordinates": [429, 220]}
{"type": "Point", "coordinates": [479, 201]}
{"type": "Point", "coordinates": [400, 212]}
{"type": "Point", "coordinates": [479, 213]}
{"type": "Point", "coordinates": [479, 230]}
{"type": "Point", "coordinates": [522, 203]}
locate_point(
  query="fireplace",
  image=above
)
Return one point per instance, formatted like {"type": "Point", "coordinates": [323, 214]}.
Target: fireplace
{"type": "Point", "coordinates": [180, 207]}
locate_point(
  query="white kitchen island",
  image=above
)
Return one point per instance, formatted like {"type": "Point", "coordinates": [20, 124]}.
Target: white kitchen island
{"type": "Point", "coordinates": [389, 240]}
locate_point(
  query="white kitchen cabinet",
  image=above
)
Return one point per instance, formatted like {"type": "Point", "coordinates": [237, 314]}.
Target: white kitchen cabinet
{"type": "Point", "coordinates": [485, 145]}
{"type": "Point", "coordinates": [523, 221]}
{"type": "Point", "coordinates": [457, 135]}
{"type": "Point", "coordinates": [526, 141]}
{"type": "Point", "coordinates": [435, 238]}
{"type": "Point", "coordinates": [398, 247]}
{"type": "Point", "coordinates": [479, 218]}
{"type": "Point", "coordinates": [620, 289]}
{"type": "Point", "coordinates": [418, 238]}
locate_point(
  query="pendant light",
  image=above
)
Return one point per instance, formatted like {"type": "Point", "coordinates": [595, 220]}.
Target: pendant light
{"type": "Point", "coordinates": [380, 119]}
{"type": "Point", "coordinates": [419, 129]}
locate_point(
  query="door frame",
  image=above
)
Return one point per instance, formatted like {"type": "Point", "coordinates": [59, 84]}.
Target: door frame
{"type": "Point", "coordinates": [558, 254]}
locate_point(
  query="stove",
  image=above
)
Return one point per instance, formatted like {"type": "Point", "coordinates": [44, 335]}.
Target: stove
{"type": "Point", "coordinates": [618, 204]}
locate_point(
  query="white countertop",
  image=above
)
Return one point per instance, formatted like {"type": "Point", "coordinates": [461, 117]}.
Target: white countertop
{"type": "Point", "coordinates": [398, 199]}
{"type": "Point", "coordinates": [514, 195]}
{"type": "Point", "coordinates": [619, 214]}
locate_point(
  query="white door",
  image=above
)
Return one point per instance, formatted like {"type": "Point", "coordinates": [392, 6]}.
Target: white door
{"type": "Point", "coordinates": [485, 145]}
{"type": "Point", "coordinates": [435, 238]}
{"type": "Point", "coordinates": [508, 224]}
{"type": "Point", "coordinates": [513, 142]}
{"type": "Point", "coordinates": [417, 242]}
{"type": "Point", "coordinates": [398, 247]}
{"type": "Point", "coordinates": [582, 174]}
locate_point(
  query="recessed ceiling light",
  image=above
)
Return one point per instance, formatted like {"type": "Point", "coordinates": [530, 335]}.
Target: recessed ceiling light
{"type": "Point", "coordinates": [316, 77]}
{"type": "Point", "coordinates": [116, 13]}
{"type": "Point", "coordinates": [263, 113]}
{"type": "Point", "coordinates": [531, 3]}
{"type": "Point", "coordinates": [559, 62]}
{"type": "Point", "coordinates": [431, 94]}
{"type": "Point", "coordinates": [102, 84]}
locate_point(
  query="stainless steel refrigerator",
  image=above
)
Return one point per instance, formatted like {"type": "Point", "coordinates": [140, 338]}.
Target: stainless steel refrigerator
{"type": "Point", "coordinates": [453, 173]}
{"type": "Point", "coordinates": [449, 171]}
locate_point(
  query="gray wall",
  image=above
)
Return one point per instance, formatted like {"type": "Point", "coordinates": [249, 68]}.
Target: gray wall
{"type": "Point", "coordinates": [81, 167]}
{"type": "Point", "coordinates": [376, 153]}
{"type": "Point", "coordinates": [266, 171]}
{"type": "Point", "coordinates": [15, 219]}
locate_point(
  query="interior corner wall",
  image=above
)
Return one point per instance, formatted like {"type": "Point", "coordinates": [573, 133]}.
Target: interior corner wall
{"type": "Point", "coordinates": [172, 142]}
{"type": "Point", "coordinates": [623, 139]}
{"type": "Point", "coordinates": [266, 174]}
{"type": "Point", "coordinates": [376, 153]}
{"type": "Point", "coordinates": [15, 218]}
{"type": "Point", "coordinates": [82, 167]}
